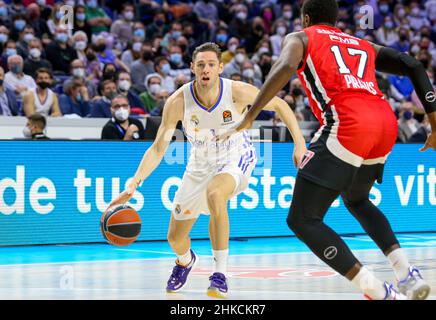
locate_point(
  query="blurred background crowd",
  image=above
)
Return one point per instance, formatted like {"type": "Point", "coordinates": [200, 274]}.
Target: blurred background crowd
{"type": "Point", "coordinates": [142, 50]}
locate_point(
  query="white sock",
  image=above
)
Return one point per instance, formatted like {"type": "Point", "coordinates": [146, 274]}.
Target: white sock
{"type": "Point", "coordinates": [369, 284]}
{"type": "Point", "coordinates": [220, 261]}
{"type": "Point", "coordinates": [185, 259]}
{"type": "Point", "coordinates": [399, 263]}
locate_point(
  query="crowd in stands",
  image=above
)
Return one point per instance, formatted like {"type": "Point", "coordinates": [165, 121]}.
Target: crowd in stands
{"type": "Point", "coordinates": [142, 51]}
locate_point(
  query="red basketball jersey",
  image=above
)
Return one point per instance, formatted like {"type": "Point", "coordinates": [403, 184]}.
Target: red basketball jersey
{"type": "Point", "coordinates": [336, 64]}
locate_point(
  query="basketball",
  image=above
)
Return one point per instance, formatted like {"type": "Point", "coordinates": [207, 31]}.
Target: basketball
{"type": "Point", "coordinates": [120, 225]}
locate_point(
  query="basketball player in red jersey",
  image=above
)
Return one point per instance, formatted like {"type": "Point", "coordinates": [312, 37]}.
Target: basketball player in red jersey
{"type": "Point", "coordinates": [348, 153]}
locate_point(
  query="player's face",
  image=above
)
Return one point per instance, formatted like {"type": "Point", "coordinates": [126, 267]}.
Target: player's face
{"type": "Point", "coordinates": [206, 68]}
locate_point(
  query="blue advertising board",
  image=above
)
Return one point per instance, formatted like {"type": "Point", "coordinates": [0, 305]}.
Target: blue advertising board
{"type": "Point", "coordinates": [54, 192]}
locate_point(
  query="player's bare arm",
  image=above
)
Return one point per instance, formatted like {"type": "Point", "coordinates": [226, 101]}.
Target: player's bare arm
{"type": "Point", "coordinates": [172, 114]}
{"type": "Point", "coordinates": [245, 93]}
{"type": "Point", "coordinates": [394, 62]}
{"type": "Point", "coordinates": [286, 65]}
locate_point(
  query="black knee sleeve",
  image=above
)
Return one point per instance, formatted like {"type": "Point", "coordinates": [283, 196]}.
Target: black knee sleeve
{"type": "Point", "coordinates": [373, 222]}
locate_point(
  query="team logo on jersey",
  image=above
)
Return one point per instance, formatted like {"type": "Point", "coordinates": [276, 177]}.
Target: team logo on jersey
{"type": "Point", "coordinates": [195, 122]}
{"type": "Point", "coordinates": [227, 116]}
{"type": "Point", "coordinates": [178, 210]}
{"type": "Point", "coordinates": [309, 155]}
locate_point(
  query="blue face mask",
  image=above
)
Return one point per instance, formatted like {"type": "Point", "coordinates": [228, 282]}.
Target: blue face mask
{"type": "Point", "coordinates": [19, 24]}
{"type": "Point", "coordinates": [3, 37]}
{"type": "Point", "coordinates": [166, 68]}
{"type": "Point", "coordinates": [3, 11]}
{"type": "Point", "coordinates": [176, 58]}
{"type": "Point", "coordinates": [139, 33]}
{"type": "Point", "coordinates": [176, 34]}
{"type": "Point", "coordinates": [81, 16]}
{"type": "Point", "coordinates": [389, 24]}
{"type": "Point", "coordinates": [92, 4]}
{"type": "Point", "coordinates": [222, 38]}
{"type": "Point", "coordinates": [384, 8]}
{"type": "Point", "coordinates": [11, 52]}
{"type": "Point", "coordinates": [59, 15]}
{"type": "Point", "coordinates": [62, 37]}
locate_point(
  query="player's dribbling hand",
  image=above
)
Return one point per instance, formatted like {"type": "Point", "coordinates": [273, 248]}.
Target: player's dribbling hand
{"type": "Point", "coordinates": [299, 152]}
{"type": "Point", "coordinates": [123, 197]}
{"type": "Point", "coordinates": [430, 143]}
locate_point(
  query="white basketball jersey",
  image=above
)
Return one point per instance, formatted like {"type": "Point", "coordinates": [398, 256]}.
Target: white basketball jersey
{"type": "Point", "coordinates": [43, 107]}
{"type": "Point", "coordinates": [203, 125]}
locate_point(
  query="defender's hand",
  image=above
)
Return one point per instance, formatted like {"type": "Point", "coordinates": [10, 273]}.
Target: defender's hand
{"type": "Point", "coordinates": [430, 143]}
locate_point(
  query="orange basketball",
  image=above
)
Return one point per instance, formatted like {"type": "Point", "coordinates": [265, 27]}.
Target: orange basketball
{"type": "Point", "coordinates": [120, 225]}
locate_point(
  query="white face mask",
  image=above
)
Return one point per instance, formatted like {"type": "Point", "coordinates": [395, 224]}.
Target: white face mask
{"type": "Point", "coordinates": [241, 15]}
{"type": "Point", "coordinates": [122, 114]}
{"type": "Point", "coordinates": [154, 88]}
{"type": "Point", "coordinates": [240, 58]}
{"type": "Point", "coordinates": [124, 85]}
{"type": "Point", "coordinates": [26, 132]}
{"type": "Point", "coordinates": [262, 50]}
{"type": "Point", "coordinates": [232, 48]}
{"type": "Point", "coordinates": [80, 45]}
{"type": "Point", "coordinates": [137, 46]}
{"type": "Point", "coordinates": [287, 14]}
{"type": "Point", "coordinates": [79, 72]}
{"type": "Point", "coordinates": [248, 73]}
{"type": "Point", "coordinates": [281, 30]}
{"type": "Point", "coordinates": [35, 53]}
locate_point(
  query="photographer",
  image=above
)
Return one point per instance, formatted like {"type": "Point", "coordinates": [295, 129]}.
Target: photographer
{"type": "Point", "coordinates": [121, 126]}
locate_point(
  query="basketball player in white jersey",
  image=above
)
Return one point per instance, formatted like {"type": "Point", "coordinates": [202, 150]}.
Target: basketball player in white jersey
{"type": "Point", "coordinates": [216, 171]}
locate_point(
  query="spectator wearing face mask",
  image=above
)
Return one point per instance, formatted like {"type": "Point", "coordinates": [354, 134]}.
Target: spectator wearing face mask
{"type": "Point", "coordinates": [38, 24]}
{"type": "Point", "coordinates": [78, 75]}
{"type": "Point", "coordinates": [8, 102]}
{"type": "Point", "coordinates": [122, 28]}
{"type": "Point", "coordinates": [407, 124]}
{"type": "Point", "coordinates": [5, 17]}
{"type": "Point", "coordinates": [249, 74]}
{"type": "Point", "coordinates": [158, 26]}
{"type": "Point", "coordinates": [387, 35]}
{"type": "Point", "coordinates": [4, 36]}
{"type": "Point", "coordinates": [9, 49]}
{"type": "Point", "coordinates": [35, 127]}
{"type": "Point", "coordinates": [80, 43]}
{"type": "Point", "coordinates": [124, 83]}
{"type": "Point", "coordinates": [150, 98]}
{"type": "Point", "coordinates": [256, 34]}
{"type": "Point", "coordinates": [221, 37]}
{"type": "Point", "coordinates": [235, 66]}
{"type": "Point", "coordinates": [239, 24]}
{"type": "Point", "coordinates": [96, 17]}
{"type": "Point", "coordinates": [18, 24]}
{"type": "Point", "coordinates": [280, 31]}
{"type": "Point", "coordinates": [106, 55]}
{"type": "Point", "coordinates": [60, 53]}
{"type": "Point", "coordinates": [80, 22]}
{"type": "Point", "coordinates": [180, 80]}
{"type": "Point", "coordinates": [163, 68]}
{"type": "Point", "coordinates": [75, 100]}
{"type": "Point", "coordinates": [403, 43]}
{"type": "Point", "coordinates": [142, 67]}
{"type": "Point", "coordinates": [230, 53]}
{"type": "Point", "coordinates": [173, 35]}
{"type": "Point", "coordinates": [26, 36]}
{"type": "Point", "coordinates": [101, 107]}
{"type": "Point", "coordinates": [133, 49]}
{"type": "Point", "coordinates": [34, 60]}
{"type": "Point", "coordinates": [16, 80]}
{"type": "Point", "coordinates": [416, 17]}
{"type": "Point", "coordinates": [121, 126]}
{"type": "Point", "coordinates": [178, 66]}
{"type": "Point", "coordinates": [42, 99]}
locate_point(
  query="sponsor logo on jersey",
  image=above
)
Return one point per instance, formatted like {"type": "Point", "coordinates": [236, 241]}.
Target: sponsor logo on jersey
{"type": "Point", "coordinates": [227, 116]}
{"type": "Point", "coordinates": [344, 40]}
{"type": "Point", "coordinates": [187, 212]}
{"type": "Point", "coordinates": [430, 96]}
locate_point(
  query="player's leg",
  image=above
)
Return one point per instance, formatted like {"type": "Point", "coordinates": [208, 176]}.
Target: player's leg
{"type": "Point", "coordinates": [219, 191]}
{"type": "Point", "coordinates": [309, 205]}
{"type": "Point", "coordinates": [374, 222]}
{"type": "Point", "coordinates": [178, 238]}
